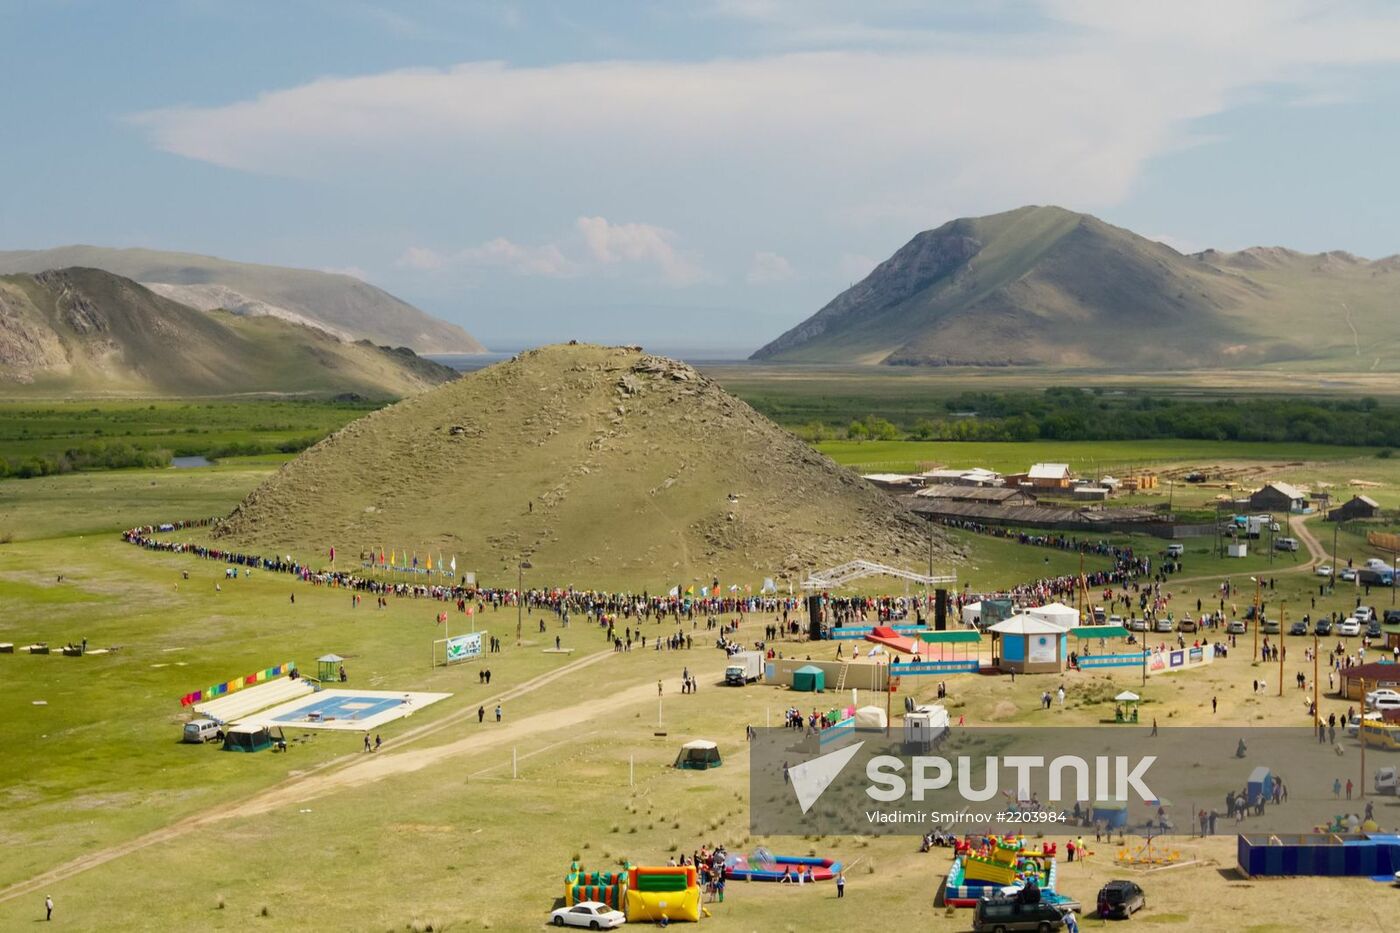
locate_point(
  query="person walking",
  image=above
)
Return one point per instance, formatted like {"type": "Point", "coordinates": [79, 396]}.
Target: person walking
{"type": "Point", "coordinates": [498, 712]}
{"type": "Point", "coordinates": [48, 907]}
{"type": "Point", "coordinates": [481, 714]}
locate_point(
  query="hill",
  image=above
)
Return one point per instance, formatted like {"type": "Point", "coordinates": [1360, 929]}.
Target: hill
{"type": "Point", "coordinates": [602, 466]}
{"type": "Point", "coordinates": [1047, 286]}
{"type": "Point", "coordinates": [89, 332]}
{"type": "Point", "coordinates": [341, 304]}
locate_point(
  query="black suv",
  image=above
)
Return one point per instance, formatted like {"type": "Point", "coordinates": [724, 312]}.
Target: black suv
{"type": "Point", "coordinates": [1322, 627]}
{"type": "Point", "coordinates": [1298, 628]}
{"type": "Point", "coordinates": [1004, 914]}
{"type": "Point", "coordinates": [1121, 899]}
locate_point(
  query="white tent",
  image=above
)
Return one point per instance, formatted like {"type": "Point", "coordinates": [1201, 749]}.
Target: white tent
{"type": "Point", "coordinates": [1057, 614]}
{"type": "Point", "coordinates": [871, 717]}
{"type": "Point", "coordinates": [1127, 696]}
{"type": "Point", "coordinates": [971, 613]}
{"type": "Point", "coordinates": [1026, 624]}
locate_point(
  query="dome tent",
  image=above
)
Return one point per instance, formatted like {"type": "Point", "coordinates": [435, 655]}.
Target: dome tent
{"type": "Point", "coordinates": [699, 755]}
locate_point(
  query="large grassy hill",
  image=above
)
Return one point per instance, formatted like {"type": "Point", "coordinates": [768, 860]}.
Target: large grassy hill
{"type": "Point", "coordinates": [341, 304]}
{"type": "Point", "coordinates": [600, 466]}
{"type": "Point", "coordinates": [89, 332]}
{"type": "Point", "coordinates": [1043, 285]}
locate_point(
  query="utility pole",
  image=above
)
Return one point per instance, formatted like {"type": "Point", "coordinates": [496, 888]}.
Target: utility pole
{"type": "Point", "coordinates": [1282, 645]}
{"type": "Point", "coordinates": [1257, 587]}
{"type": "Point", "coordinates": [520, 569]}
{"type": "Point", "coordinates": [1361, 733]}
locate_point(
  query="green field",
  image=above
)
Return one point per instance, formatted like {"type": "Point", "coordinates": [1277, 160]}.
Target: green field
{"type": "Point", "coordinates": [37, 438]}
{"type": "Point", "coordinates": [1083, 456]}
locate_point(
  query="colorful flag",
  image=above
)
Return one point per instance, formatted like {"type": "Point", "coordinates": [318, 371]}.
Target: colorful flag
{"type": "Point", "coordinates": [430, 561]}
{"type": "Point", "coordinates": [332, 553]}
{"type": "Point", "coordinates": [454, 563]}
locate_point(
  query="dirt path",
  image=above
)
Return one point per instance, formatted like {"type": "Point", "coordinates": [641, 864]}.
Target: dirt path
{"type": "Point", "coordinates": [1297, 525]}
{"type": "Point", "coordinates": [358, 769]}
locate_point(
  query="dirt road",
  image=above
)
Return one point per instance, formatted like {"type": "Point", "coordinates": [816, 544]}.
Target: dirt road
{"type": "Point", "coordinates": [359, 769]}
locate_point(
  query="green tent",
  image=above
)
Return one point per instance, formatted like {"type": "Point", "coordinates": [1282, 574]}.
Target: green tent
{"type": "Point", "coordinates": [699, 755]}
{"type": "Point", "coordinates": [810, 679]}
{"type": "Point", "coordinates": [247, 738]}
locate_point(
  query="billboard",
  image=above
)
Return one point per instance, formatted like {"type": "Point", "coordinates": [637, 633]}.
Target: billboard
{"type": "Point", "coordinates": [464, 647]}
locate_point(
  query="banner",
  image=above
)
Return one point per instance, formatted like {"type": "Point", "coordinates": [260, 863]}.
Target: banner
{"type": "Point", "coordinates": [463, 647]}
{"type": "Point", "coordinates": [230, 686]}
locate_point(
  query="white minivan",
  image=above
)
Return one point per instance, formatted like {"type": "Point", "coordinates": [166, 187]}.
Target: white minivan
{"type": "Point", "coordinates": [199, 731]}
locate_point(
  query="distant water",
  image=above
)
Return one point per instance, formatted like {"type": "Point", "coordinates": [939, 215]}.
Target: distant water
{"type": "Point", "coordinates": [188, 463]}
{"type": "Point", "coordinates": [469, 362]}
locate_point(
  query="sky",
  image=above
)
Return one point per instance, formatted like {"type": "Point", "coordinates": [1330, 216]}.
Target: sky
{"type": "Point", "coordinates": [694, 177]}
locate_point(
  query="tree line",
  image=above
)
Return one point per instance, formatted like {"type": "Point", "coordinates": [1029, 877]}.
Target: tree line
{"type": "Point", "coordinates": [1072, 414]}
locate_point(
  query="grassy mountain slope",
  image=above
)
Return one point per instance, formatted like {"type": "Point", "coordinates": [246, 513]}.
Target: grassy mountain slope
{"type": "Point", "coordinates": [1047, 286]}
{"type": "Point", "coordinates": [89, 332]}
{"type": "Point", "coordinates": [342, 304]}
{"type": "Point", "coordinates": [599, 465]}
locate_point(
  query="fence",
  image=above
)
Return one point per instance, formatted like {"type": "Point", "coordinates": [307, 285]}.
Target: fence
{"type": "Point", "coordinates": [1133, 659]}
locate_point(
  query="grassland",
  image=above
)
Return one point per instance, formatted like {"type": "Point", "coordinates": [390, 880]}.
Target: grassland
{"type": "Point", "coordinates": [51, 437]}
{"type": "Point", "coordinates": [433, 829]}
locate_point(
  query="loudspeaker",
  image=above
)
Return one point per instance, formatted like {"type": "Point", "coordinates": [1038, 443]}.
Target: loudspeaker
{"type": "Point", "coordinates": [940, 610]}
{"type": "Point", "coordinates": [814, 617]}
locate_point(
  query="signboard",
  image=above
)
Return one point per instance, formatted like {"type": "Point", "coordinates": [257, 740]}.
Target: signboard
{"type": "Point", "coordinates": [464, 647]}
{"type": "Point", "coordinates": [1041, 649]}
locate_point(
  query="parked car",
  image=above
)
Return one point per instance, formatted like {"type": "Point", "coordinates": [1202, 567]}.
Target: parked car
{"type": "Point", "coordinates": [1187, 624]}
{"type": "Point", "coordinates": [1322, 627]}
{"type": "Point", "coordinates": [1176, 550]}
{"type": "Point", "coordinates": [199, 731]}
{"type": "Point", "coordinates": [1323, 570]}
{"type": "Point", "coordinates": [1363, 614]}
{"type": "Point", "coordinates": [1392, 616]}
{"type": "Point", "coordinates": [1348, 575]}
{"type": "Point", "coordinates": [1349, 628]}
{"type": "Point", "coordinates": [1298, 628]}
{"type": "Point", "coordinates": [1373, 629]}
{"type": "Point", "coordinates": [1235, 627]}
{"type": "Point", "coordinates": [1285, 544]}
{"type": "Point", "coordinates": [594, 915]}
{"type": "Point", "coordinates": [1353, 723]}
{"type": "Point", "coordinates": [1374, 695]}
{"type": "Point", "coordinates": [1008, 913]}
{"type": "Point", "coordinates": [1270, 627]}
{"type": "Point", "coordinates": [1385, 702]}
{"type": "Point", "coordinates": [1115, 620]}
{"type": "Point", "coordinates": [1137, 625]}
{"type": "Point", "coordinates": [1121, 899]}
{"type": "Point", "coordinates": [1162, 625]}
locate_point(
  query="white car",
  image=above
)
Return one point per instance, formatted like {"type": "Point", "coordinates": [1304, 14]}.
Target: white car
{"type": "Point", "coordinates": [1364, 613]}
{"type": "Point", "coordinates": [1348, 575]}
{"type": "Point", "coordinates": [1375, 695]}
{"type": "Point", "coordinates": [594, 915]}
{"type": "Point", "coordinates": [1324, 570]}
{"type": "Point", "coordinates": [1386, 703]}
{"type": "Point", "coordinates": [1349, 627]}
{"type": "Point", "coordinates": [1353, 725]}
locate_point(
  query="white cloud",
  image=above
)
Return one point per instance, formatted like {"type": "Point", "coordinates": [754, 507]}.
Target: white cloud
{"type": "Point", "coordinates": [768, 268]}
{"type": "Point", "coordinates": [865, 130]}
{"type": "Point", "coordinates": [611, 243]}
{"type": "Point", "coordinates": [355, 272]}
{"type": "Point", "coordinates": [597, 245]}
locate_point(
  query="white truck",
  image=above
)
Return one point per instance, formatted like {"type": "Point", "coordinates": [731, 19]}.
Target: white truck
{"type": "Point", "coordinates": [1387, 781]}
{"type": "Point", "coordinates": [744, 668]}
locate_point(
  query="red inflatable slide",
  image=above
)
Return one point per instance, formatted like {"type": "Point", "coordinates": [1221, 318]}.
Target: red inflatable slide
{"type": "Point", "coordinates": [884, 635]}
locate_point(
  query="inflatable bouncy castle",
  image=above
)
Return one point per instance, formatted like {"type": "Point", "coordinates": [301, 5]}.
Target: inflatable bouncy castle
{"type": "Point", "coordinates": [609, 887]}
{"type": "Point", "coordinates": [672, 892]}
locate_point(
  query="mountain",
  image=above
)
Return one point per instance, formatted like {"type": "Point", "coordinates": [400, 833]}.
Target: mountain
{"type": "Point", "coordinates": [1047, 286]}
{"type": "Point", "coordinates": [87, 331]}
{"type": "Point", "coordinates": [341, 304]}
{"type": "Point", "coordinates": [602, 466]}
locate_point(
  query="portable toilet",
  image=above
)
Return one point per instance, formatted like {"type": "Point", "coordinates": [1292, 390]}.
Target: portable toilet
{"type": "Point", "coordinates": [809, 679]}
{"type": "Point", "coordinates": [1261, 785]}
{"type": "Point", "coordinates": [925, 725]}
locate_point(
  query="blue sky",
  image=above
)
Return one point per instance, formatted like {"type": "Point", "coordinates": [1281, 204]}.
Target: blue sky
{"type": "Point", "coordinates": [688, 176]}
